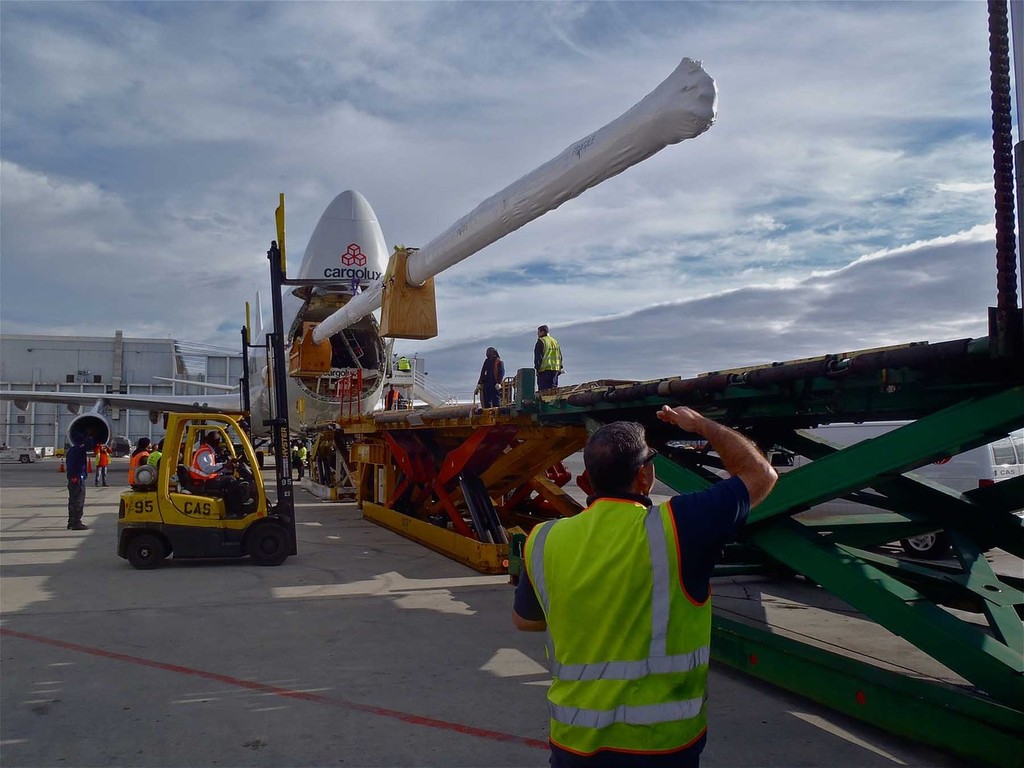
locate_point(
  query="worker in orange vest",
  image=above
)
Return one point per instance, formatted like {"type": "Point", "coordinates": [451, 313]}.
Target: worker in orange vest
{"type": "Point", "coordinates": [102, 454]}
{"type": "Point", "coordinates": [139, 457]}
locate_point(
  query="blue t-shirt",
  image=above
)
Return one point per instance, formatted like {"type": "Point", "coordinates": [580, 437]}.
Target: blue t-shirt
{"type": "Point", "coordinates": [706, 521]}
{"type": "Point", "coordinates": [76, 459]}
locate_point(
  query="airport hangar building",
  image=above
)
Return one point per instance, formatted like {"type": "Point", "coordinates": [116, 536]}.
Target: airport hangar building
{"type": "Point", "coordinates": [100, 365]}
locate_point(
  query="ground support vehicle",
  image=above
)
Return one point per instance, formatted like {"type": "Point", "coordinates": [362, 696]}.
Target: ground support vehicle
{"type": "Point", "coordinates": [21, 455]}
{"type": "Point", "coordinates": [166, 514]}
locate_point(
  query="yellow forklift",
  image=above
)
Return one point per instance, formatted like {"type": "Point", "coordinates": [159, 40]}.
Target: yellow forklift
{"type": "Point", "coordinates": [167, 513]}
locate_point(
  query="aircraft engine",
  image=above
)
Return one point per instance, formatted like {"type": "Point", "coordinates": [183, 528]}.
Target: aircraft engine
{"type": "Point", "coordinates": [91, 424]}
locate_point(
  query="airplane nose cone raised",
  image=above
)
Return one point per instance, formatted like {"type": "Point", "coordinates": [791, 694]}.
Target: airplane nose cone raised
{"type": "Point", "coordinates": [347, 245]}
{"type": "Point", "coordinates": [350, 206]}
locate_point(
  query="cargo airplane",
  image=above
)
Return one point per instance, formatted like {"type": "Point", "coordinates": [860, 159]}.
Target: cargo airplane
{"type": "Point", "coordinates": [340, 282]}
{"type": "Point", "coordinates": [345, 254]}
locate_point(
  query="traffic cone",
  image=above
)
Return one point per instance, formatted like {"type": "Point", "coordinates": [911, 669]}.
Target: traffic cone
{"type": "Point", "coordinates": [88, 466]}
{"type": "Point", "coordinates": [61, 467]}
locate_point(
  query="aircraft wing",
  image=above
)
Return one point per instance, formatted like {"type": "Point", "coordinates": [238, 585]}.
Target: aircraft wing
{"type": "Point", "coordinates": [175, 403]}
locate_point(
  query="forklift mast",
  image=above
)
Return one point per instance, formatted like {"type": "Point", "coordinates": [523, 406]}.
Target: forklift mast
{"type": "Point", "coordinates": [278, 422]}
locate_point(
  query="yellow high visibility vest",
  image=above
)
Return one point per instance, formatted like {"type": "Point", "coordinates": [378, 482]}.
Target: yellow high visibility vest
{"type": "Point", "coordinates": [627, 646]}
{"type": "Point", "coordinates": [552, 358]}
{"type": "Point", "coordinates": [404, 364]}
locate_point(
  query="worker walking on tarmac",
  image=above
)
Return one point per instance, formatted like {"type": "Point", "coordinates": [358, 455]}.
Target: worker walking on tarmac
{"type": "Point", "coordinates": [547, 359]}
{"type": "Point", "coordinates": [102, 454]}
{"type": "Point", "coordinates": [303, 455]}
{"type": "Point", "coordinates": [624, 590]}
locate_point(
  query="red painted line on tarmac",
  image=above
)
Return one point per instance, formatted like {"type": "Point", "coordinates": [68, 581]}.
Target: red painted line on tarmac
{"type": "Point", "coordinates": [252, 685]}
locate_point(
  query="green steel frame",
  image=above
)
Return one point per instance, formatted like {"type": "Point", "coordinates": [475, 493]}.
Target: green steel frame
{"type": "Point", "coordinates": [955, 396]}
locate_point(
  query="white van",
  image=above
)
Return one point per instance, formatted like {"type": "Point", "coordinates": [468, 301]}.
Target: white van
{"type": "Point", "coordinates": [978, 467]}
{"type": "Point", "coordinates": [23, 455]}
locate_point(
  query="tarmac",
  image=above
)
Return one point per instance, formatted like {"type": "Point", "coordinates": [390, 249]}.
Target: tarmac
{"type": "Point", "coordinates": [365, 649]}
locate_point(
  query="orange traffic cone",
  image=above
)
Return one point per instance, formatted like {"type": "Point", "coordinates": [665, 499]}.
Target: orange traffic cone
{"type": "Point", "coordinates": [61, 467]}
{"type": "Point", "coordinates": [88, 466]}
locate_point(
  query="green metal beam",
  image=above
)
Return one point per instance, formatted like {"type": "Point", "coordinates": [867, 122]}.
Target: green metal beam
{"type": "Point", "coordinates": [966, 649]}
{"type": "Point", "coordinates": [928, 439]}
{"type": "Point", "coordinates": [950, 719]}
{"type": "Point", "coordinates": [1002, 603]}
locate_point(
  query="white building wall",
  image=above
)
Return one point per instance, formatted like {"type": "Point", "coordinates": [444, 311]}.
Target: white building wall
{"type": "Point", "coordinates": [99, 365]}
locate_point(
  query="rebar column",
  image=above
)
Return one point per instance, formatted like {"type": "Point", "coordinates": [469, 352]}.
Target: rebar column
{"type": "Point", "coordinates": [1006, 315]}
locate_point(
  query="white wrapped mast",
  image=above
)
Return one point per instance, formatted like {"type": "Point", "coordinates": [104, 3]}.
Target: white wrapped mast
{"type": "Point", "coordinates": [682, 107]}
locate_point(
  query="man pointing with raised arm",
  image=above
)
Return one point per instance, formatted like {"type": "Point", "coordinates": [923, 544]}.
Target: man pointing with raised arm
{"type": "Point", "coordinates": [623, 589]}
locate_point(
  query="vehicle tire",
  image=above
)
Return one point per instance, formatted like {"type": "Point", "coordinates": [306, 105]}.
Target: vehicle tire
{"type": "Point", "coordinates": [929, 546]}
{"type": "Point", "coordinates": [267, 544]}
{"type": "Point", "coordinates": [24, 459]}
{"type": "Point", "coordinates": [145, 551]}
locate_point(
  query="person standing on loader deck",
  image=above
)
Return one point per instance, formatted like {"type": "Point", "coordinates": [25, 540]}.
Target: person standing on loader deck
{"type": "Point", "coordinates": [623, 589]}
{"type": "Point", "coordinates": [76, 465]}
{"type": "Point", "coordinates": [492, 373]}
{"type": "Point", "coordinates": [547, 359]}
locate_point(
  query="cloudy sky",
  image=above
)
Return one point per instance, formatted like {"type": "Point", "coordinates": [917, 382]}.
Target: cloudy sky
{"type": "Point", "coordinates": [842, 200]}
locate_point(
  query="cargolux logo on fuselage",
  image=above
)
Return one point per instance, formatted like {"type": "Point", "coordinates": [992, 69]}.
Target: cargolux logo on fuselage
{"type": "Point", "coordinates": [353, 266]}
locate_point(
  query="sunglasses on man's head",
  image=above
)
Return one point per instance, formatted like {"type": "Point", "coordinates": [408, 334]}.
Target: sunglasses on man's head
{"type": "Point", "coordinates": [649, 458]}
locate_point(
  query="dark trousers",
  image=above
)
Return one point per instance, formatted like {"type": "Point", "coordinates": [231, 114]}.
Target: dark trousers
{"type": "Point", "coordinates": [76, 499]}
{"type": "Point", "coordinates": [490, 396]}
{"type": "Point", "coordinates": [101, 475]}
{"type": "Point", "coordinates": [547, 379]}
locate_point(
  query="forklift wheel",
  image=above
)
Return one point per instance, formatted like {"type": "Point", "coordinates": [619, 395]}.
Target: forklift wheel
{"type": "Point", "coordinates": [145, 551]}
{"type": "Point", "coordinates": [268, 544]}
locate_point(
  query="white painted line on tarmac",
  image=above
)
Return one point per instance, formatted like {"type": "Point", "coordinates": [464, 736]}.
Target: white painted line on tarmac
{"type": "Point", "coordinates": [511, 662]}
{"type": "Point", "coordinates": [413, 594]}
{"type": "Point", "coordinates": [38, 558]}
{"type": "Point", "coordinates": [835, 730]}
{"type": "Point", "coordinates": [385, 584]}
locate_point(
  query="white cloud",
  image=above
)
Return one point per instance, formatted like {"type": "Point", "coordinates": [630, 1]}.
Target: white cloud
{"type": "Point", "coordinates": [931, 291]}
{"type": "Point", "coordinates": [151, 140]}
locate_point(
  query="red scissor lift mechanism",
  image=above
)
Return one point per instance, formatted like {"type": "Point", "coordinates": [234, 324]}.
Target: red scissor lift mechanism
{"type": "Point", "coordinates": [435, 481]}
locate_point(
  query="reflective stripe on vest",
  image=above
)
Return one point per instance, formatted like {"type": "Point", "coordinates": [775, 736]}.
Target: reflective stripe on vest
{"type": "Point", "coordinates": [551, 360]}
{"type": "Point", "coordinates": [196, 470]}
{"type": "Point", "coordinates": [658, 662]}
{"type": "Point", "coordinates": [649, 714]}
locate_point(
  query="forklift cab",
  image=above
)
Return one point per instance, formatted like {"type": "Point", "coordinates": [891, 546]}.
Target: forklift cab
{"type": "Point", "coordinates": [228, 517]}
{"type": "Point", "coordinates": [241, 500]}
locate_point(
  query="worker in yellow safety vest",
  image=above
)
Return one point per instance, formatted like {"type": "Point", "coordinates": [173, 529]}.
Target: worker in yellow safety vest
{"type": "Point", "coordinates": [547, 359]}
{"type": "Point", "coordinates": [404, 365]}
{"type": "Point", "coordinates": [623, 590]}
